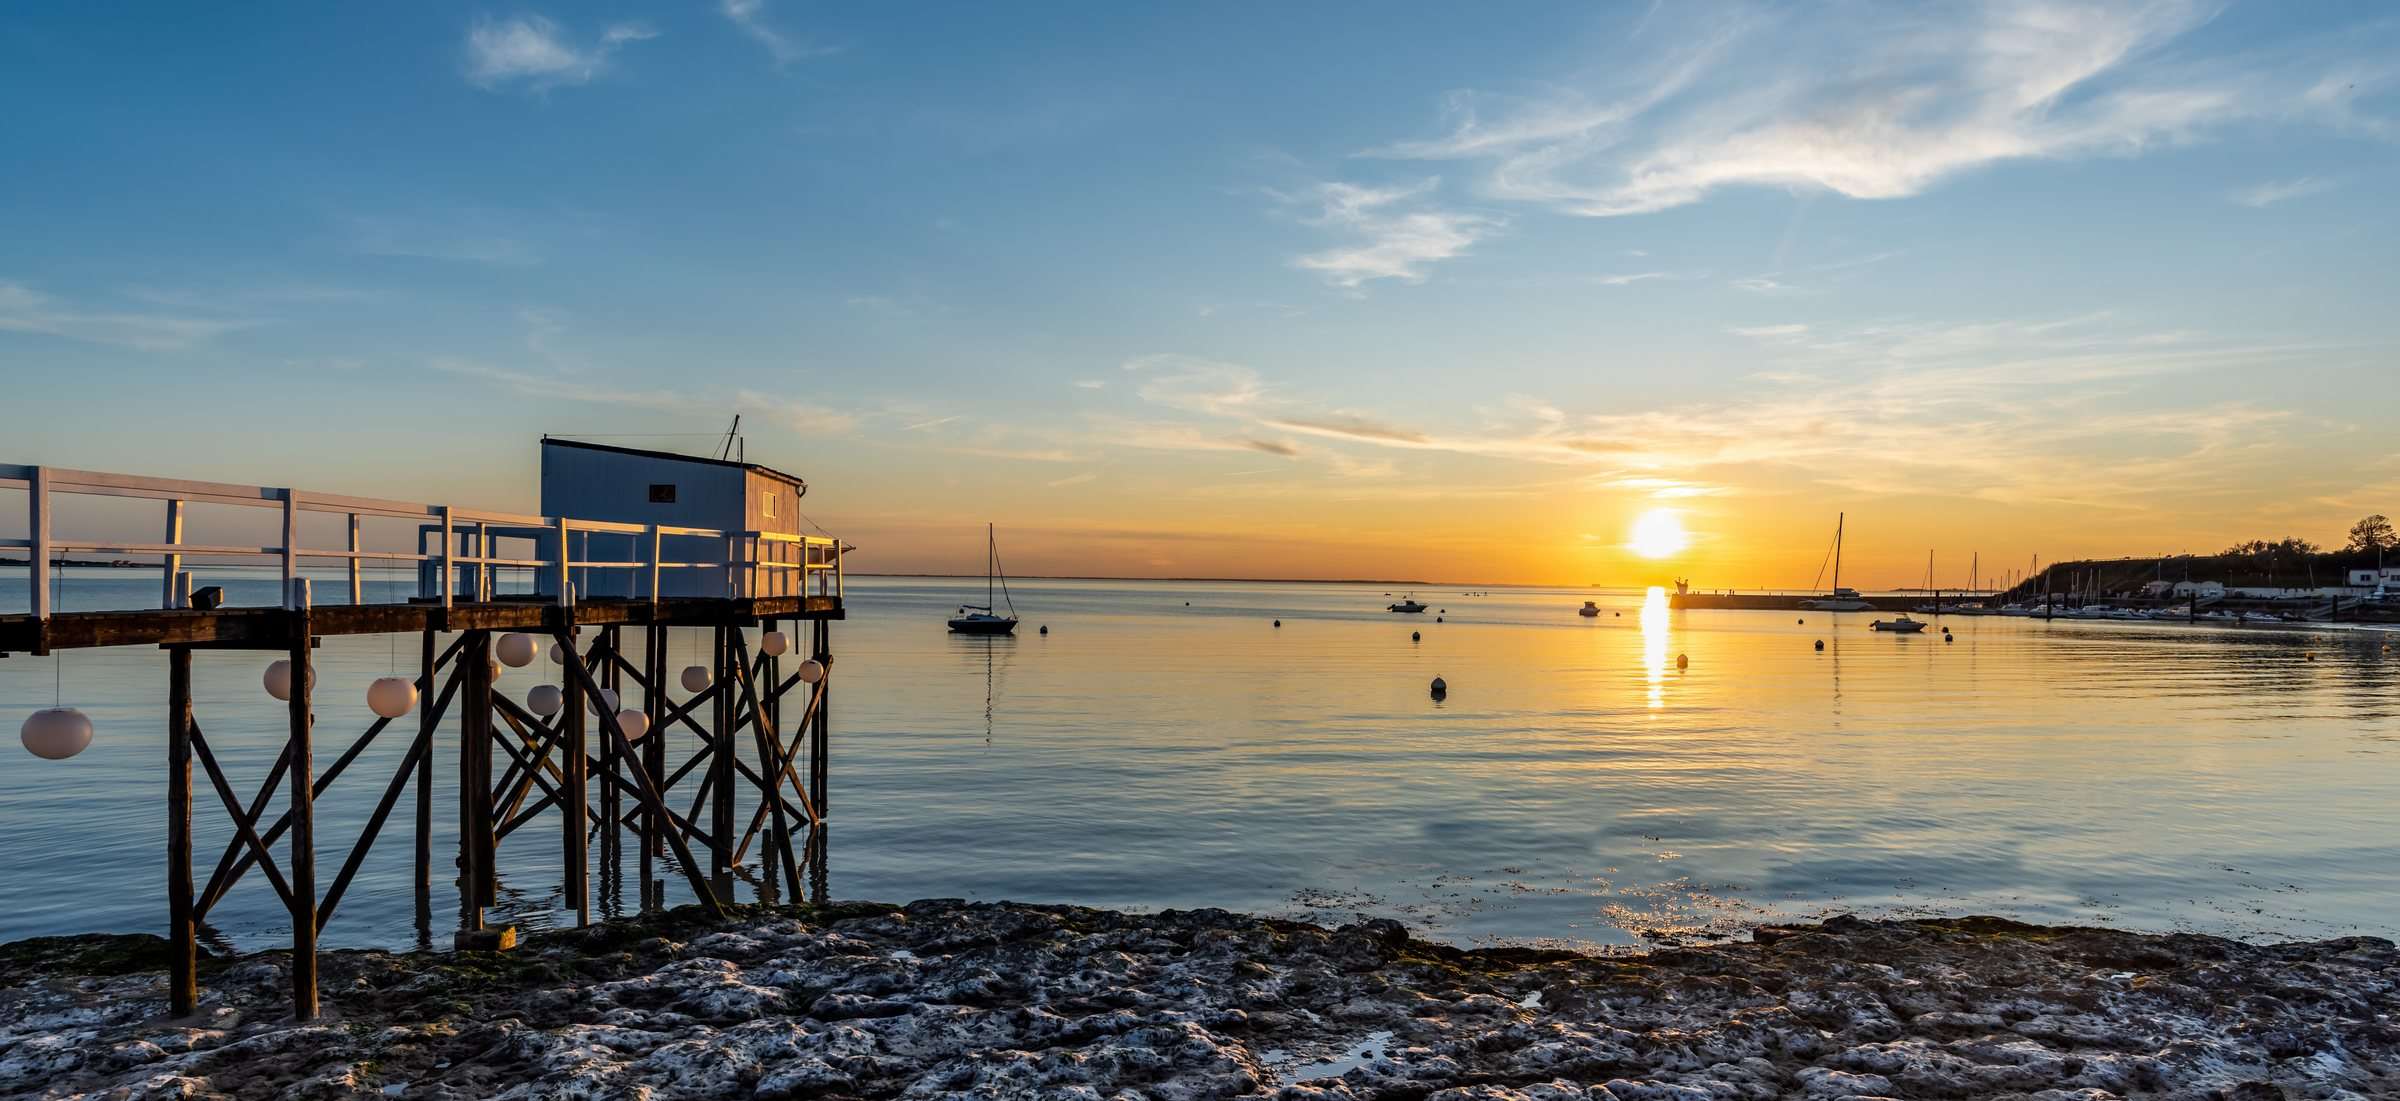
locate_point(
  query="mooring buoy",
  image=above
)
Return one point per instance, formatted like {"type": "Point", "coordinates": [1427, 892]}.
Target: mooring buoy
{"type": "Point", "coordinates": [1415, 637]}
{"type": "Point", "coordinates": [1820, 645]}
{"type": "Point", "coordinates": [1437, 619]}
{"type": "Point", "coordinates": [1441, 688]}
{"type": "Point", "coordinates": [1279, 623]}
{"type": "Point", "coordinates": [1045, 628]}
{"type": "Point", "coordinates": [1803, 621]}
{"type": "Point", "coordinates": [1946, 637]}
{"type": "Point", "coordinates": [1682, 661]}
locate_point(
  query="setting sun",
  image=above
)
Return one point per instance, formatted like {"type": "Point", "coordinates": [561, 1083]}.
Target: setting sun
{"type": "Point", "coordinates": [1659, 533]}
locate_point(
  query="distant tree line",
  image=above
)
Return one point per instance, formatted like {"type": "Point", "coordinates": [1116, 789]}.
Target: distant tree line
{"type": "Point", "coordinates": [2370, 536]}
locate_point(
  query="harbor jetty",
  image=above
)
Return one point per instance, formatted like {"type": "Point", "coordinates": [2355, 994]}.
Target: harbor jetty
{"type": "Point", "coordinates": [656, 543]}
{"type": "Point", "coordinates": [949, 999]}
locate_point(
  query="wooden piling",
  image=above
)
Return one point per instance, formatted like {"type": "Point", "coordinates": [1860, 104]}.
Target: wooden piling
{"type": "Point", "coordinates": [183, 977]}
{"type": "Point", "coordinates": [479, 883]}
{"type": "Point", "coordinates": [303, 870]}
{"type": "Point", "coordinates": [575, 795]}
{"type": "Point", "coordinates": [654, 756]}
{"type": "Point", "coordinates": [720, 764]}
{"type": "Point", "coordinates": [428, 717]}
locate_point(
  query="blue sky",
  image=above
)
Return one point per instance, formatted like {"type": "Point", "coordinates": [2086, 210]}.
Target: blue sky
{"type": "Point", "coordinates": [1284, 290]}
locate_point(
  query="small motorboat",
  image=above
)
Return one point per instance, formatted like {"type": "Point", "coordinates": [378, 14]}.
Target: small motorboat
{"type": "Point", "coordinates": [1589, 609]}
{"type": "Point", "coordinates": [1900, 625]}
{"type": "Point", "coordinates": [1408, 605]}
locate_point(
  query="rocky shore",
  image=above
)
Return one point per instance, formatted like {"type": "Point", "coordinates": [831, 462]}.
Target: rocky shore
{"type": "Point", "coordinates": [950, 999]}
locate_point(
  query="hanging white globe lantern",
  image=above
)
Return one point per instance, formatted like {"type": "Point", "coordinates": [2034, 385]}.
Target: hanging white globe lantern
{"type": "Point", "coordinates": [56, 733]}
{"type": "Point", "coordinates": [558, 654]}
{"type": "Point", "coordinates": [496, 668]}
{"type": "Point", "coordinates": [516, 650]}
{"type": "Point", "coordinates": [545, 700]}
{"type": "Point", "coordinates": [608, 698]}
{"type": "Point", "coordinates": [812, 671]}
{"type": "Point", "coordinates": [695, 678]}
{"type": "Point", "coordinates": [392, 697]}
{"type": "Point", "coordinates": [774, 643]}
{"type": "Point", "coordinates": [633, 723]}
{"type": "Point", "coordinates": [279, 679]}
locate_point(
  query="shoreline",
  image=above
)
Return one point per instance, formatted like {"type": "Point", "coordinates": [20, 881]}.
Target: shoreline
{"type": "Point", "coordinates": [946, 998]}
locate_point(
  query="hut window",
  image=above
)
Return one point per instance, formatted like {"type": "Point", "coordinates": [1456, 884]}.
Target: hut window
{"type": "Point", "coordinates": [662, 493]}
{"type": "Point", "coordinates": [770, 506]}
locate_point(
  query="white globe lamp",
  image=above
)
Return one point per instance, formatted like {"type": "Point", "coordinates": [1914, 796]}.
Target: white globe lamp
{"type": "Point", "coordinates": [545, 700]}
{"type": "Point", "coordinates": [608, 698]}
{"type": "Point", "coordinates": [812, 671]}
{"type": "Point", "coordinates": [516, 650]}
{"type": "Point", "coordinates": [392, 697]}
{"type": "Point", "coordinates": [633, 723]}
{"type": "Point", "coordinates": [279, 679]}
{"type": "Point", "coordinates": [695, 678]}
{"type": "Point", "coordinates": [56, 733]}
{"type": "Point", "coordinates": [774, 643]}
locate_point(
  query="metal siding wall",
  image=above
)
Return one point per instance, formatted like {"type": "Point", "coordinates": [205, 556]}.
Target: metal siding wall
{"type": "Point", "coordinates": [584, 484]}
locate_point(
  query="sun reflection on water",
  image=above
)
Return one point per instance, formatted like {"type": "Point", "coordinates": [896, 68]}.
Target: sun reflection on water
{"type": "Point", "coordinates": [1654, 643]}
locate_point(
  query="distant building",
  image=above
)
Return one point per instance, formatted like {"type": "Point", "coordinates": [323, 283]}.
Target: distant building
{"type": "Point", "coordinates": [2205, 590]}
{"type": "Point", "coordinates": [591, 481]}
{"type": "Point", "coordinates": [2368, 579]}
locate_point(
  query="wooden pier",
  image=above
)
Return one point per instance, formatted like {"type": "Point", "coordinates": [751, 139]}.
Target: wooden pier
{"type": "Point", "coordinates": [755, 730]}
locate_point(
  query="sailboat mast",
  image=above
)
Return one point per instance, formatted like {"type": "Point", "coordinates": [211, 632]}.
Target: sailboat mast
{"type": "Point", "coordinates": [1839, 520]}
{"type": "Point", "coordinates": [991, 554]}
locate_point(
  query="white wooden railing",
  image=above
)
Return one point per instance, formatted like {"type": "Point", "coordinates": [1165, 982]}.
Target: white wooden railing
{"type": "Point", "coordinates": [754, 563]}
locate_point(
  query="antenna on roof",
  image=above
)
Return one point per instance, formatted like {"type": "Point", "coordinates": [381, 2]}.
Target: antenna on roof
{"type": "Point", "coordinates": [731, 439]}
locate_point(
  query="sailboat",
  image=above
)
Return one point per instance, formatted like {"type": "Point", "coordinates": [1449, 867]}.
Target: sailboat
{"type": "Point", "coordinates": [982, 619]}
{"type": "Point", "coordinates": [1842, 600]}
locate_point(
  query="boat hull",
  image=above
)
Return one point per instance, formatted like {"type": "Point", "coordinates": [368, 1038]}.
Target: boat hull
{"type": "Point", "coordinates": [982, 625]}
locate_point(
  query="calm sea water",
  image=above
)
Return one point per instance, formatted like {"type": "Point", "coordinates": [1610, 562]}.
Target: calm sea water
{"type": "Point", "coordinates": [1165, 745]}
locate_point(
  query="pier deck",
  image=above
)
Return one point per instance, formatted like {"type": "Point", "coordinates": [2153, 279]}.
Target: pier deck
{"type": "Point", "coordinates": [588, 744]}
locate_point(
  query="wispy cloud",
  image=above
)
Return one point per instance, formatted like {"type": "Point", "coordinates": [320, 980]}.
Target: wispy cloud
{"type": "Point", "coordinates": [2276, 191]}
{"type": "Point", "coordinates": [796, 416]}
{"type": "Point", "coordinates": [25, 310]}
{"type": "Point", "coordinates": [750, 17]}
{"type": "Point", "coordinates": [1879, 104]}
{"type": "Point", "coordinates": [470, 237]}
{"type": "Point", "coordinates": [1396, 233]}
{"type": "Point", "coordinates": [2011, 410]}
{"type": "Point", "coordinates": [535, 52]}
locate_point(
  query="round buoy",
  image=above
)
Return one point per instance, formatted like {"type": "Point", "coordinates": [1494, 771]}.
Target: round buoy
{"type": "Point", "coordinates": [56, 733]}
{"type": "Point", "coordinates": [1682, 661]}
{"type": "Point", "coordinates": [1946, 637]}
{"type": "Point", "coordinates": [1415, 637]}
{"type": "Point", "coordinates": [1803, 621]}
{"type": "Point", "coordinates": [1820, 645]}
{"type": "Point", "coordinates": [1045, 628]}
{"type": "Point", "coordinates": [545, 700]}
{"type": "Point", "coordinates": [516, 650]}
{"type": "Point", "coordinates": [695, 678]}
{"type": "Point", "coordinates": [812, 671]}
{"type": "Point", "coordinates": [1279, 623]}
{"type": "Point", "coordinates": [1441, 688]}
{"type": "Point", "coordinates": [279, 679]}
{"type": "Point", "coordinates": [1441, 612]}
{"type": "Point", "coordinates": [392, 697]}
{"type": "Point", "coordinates": [1620, 615]}
{"type": "Point", "coordinates": [633, 723]}
{"type": "Point", "coordinates": [1437, 619]}
{"type": "Point", "coordinates": [774, 643]}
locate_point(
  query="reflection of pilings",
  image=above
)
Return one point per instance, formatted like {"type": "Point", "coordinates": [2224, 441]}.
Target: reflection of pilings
{"type": "Point", "coordinates": [816, 864]}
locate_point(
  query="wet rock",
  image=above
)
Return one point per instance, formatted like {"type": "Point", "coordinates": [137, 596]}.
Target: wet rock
{"type": "Point", "coordinates": [945, 998]}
